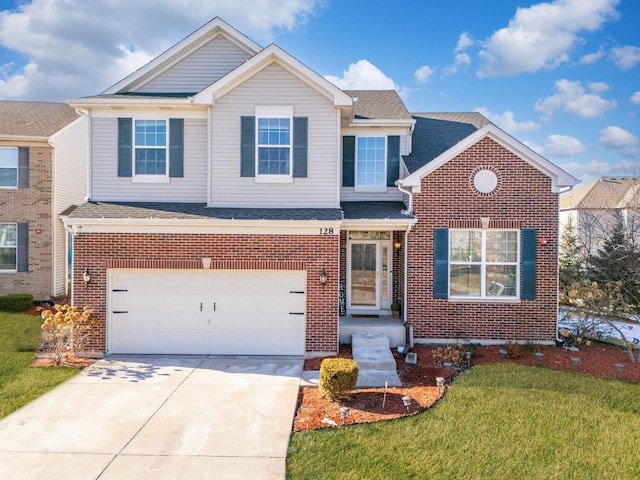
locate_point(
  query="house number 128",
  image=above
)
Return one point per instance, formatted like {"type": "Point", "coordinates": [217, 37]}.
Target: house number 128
{"type": "Point", "coordinates": [326, 231]}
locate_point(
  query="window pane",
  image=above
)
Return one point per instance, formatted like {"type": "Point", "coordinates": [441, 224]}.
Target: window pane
{"type": "Point", "coordinates": [9, 157]}
{"type": "Point", "coordinates": [8, 177]}
{"type": "Point", "coordinates": [273, 161]}
{"type": "Point", "coordinates": [502, 246]}
{"type": "Point", "coordinates": [371, 162]}
{"type": "Point", "coordinates": [7, 258]}
{"type": "Point", "coordinates": [464, 280]}
{"type": "Point", "coordinates": [151, 161]}
{"type": "Point", "coordinates": [274, 131]}
{"type": "Point", "coordinates": [151, 133]}
{"type": "Point", "coordinates": [501, 280]}
{"type": "Point", "coordinates": [8, 242]}
{"type": "Point", "coordinates": [465, 246]}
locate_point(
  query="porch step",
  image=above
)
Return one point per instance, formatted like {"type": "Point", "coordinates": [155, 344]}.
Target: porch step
{"type": "Point", "coordinates": [376, 364]}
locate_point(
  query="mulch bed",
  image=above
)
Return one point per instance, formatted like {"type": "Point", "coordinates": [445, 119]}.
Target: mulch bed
{"type": "Point", "coordinates": [419, 382]}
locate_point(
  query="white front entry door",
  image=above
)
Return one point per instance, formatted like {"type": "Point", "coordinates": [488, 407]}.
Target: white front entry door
{"type": "Point", "coordinates": [368, 275]}
{"type": "Point", "coordinates": [239, 312]}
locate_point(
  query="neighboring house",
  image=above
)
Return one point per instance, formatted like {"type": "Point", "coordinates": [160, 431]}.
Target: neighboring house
{"type": "Point", "coordinates": [596, 207]}
{"type": "Point", "coordinates": [36, 140]}
{"type": "Point", "coordinates": [239, 203]}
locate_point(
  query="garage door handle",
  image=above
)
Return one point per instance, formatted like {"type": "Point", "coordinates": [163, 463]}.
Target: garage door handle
{"type": "Point", "coordinates": [120, 290]}
{"type": "Point", "coordinates": [120, 311]}
{"type": "Point", "coordinates": [214, 306]}
{"type": "Point", "coordinates": [296, 291]}
{"type": "Point", "coordinates": [296, 313]}
{"type": "Point", "coordinates": [200, 306]}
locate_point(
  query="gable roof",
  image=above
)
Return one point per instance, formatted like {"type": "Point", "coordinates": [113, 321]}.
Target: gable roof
{"type": "Point", "coordinates": [559, 177]}
{"type": "Point", "coordinates": [603, 193]}
{"type": "Point", "coordinates": [271, 54]}
{"type": "Point", "coordinates": [435, 133]}
{"type": "Point", "coordinates": [34, 119]}
{"type": "Point", "coordinates": [182, 49]}
{"type": "Point", "coordinates": [378, 104]}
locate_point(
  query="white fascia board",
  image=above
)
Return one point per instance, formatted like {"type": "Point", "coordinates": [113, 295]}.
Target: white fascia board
{"type": "Point", "coordinates": [125, 102]}
{"type": "Point", "coordinates": [379, 224]}
{"type": "Point", "coordinates": [266, 57]}
{"type": "Point", "coordinates": [405, 123]}
{"type": "Point", "coordinates": [205, 226]}
{"type": "Point", "coordinates": [559, 177]}
{"type": "Point", "coordinates": [23, 138]}
{"type": "Point", "coordinates": [209, 29]}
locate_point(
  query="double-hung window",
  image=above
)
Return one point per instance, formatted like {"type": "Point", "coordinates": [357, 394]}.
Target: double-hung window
{"type": "Point", "coordinates": [150, 149]}
{"type": "Point", "coordinates": [8, 247]}
{"type": "Point", "coordinates": [8, 167]}
{"type": "Point", "coordinates": [484, 263]}
{"type": "Point", "coordinates": [274, 144]}
{"type": "Point", "coordinates": [371, 164]}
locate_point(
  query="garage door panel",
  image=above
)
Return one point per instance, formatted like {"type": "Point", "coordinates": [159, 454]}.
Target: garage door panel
{"type": "Point", "coordinates": [207, 311]}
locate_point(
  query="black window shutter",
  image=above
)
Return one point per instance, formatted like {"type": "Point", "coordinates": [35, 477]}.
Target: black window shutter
{"type": "Point", "coordinates": [23, 247]}
{"type": "Point", "coordinates": [348, 160]}
{"type": "Point", "coordinates": [176, 147]}
{"type": "Point", "coordinates": [125, 147]}
{"type": "Point", "coordinates": [528, 265]}
{"type": "Point", "coordinates": [247, 146]}
{"type": "Point", "coordinates": [441, 263]}
{"type": "Point", "coordinates": [300, 130]}
{"type": "Point", "coordinates": [393, 159]}
{"type": "Point", "coordinates": [23, 167]}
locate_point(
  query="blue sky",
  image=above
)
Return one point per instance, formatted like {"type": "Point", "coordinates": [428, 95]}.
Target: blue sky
{"type": "Point", "coordinates": [562, 76]}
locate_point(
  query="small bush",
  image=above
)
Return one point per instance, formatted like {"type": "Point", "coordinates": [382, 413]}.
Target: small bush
{"type": "Point", "coordinates": [449, 353]}
{"type": "Point", "coordinates": [65, 331]}
{"type": "Point", "coordinates": [516, 350]}
{"type": "Point", "coordinates": [338, 376]}
{"type": "Point", "coordinates": [16, 302]}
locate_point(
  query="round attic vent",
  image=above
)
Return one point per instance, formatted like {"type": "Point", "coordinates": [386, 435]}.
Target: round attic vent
{"type": "Point", "coordinates": [485, 180]}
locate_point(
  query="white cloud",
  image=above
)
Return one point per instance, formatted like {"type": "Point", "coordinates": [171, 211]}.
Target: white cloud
{"type": "Point", "coordinates": [76, 48]}
{"type": "Point", "coordinates": [464, 42]}
{"type": "Point", "coordinates": [587, 171]}
{"type": "Point", "coordinates": [625, 57]}
{"type": "Point", "coordinates": [562, 146]}
{"type": "Point", "coordinates": [423, 74]}
{"type": "Point", "coordinates": [463, 59]}
{"type": "Point", "coordinates": [362, 75]}
{"type": "Point", "coordinates": [635, 98]}
{"type": "Point", "coordinates": [543, 35]}
{"type": "Point", "coordinates": [507, 121]}
{"type": "Point", "coordinates": [572, 97]}
{"type": "Point", "coordinates": [598, 87]}
{"type": "Point", "coordinates": [591, 58]}
{"type": "Point", "coordinates": [618, 138]}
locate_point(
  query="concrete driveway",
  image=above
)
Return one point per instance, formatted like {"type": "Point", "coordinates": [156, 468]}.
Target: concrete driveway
{"type": "Point", "coordinates": [158, 417]}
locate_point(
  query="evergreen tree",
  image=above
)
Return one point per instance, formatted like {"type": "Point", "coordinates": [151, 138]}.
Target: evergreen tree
{"type": "Point", "coordinates": [572, 258]}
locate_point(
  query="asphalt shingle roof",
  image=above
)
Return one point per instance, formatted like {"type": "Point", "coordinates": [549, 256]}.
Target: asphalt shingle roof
{"type": "Point", "coordinates": [200, 211]}
{"type": "Point", "coordinates": [379, 105]}
{"type": "Point", "coordinates": [603, 193]}
{"type": "Point", "coordinates": [435, 133]}
{"type": "Point", "coordinates": [34, 119]}
{"type": "Point", "coordinates": [375, 211]}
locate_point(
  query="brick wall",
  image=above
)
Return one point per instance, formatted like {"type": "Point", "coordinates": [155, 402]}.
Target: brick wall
{"type": "Point", "coordinates": [98, 252]}
{"type": "Point", "coordinates": [32, 205]}
{"type": "Point", "coordinates": [523, 198]}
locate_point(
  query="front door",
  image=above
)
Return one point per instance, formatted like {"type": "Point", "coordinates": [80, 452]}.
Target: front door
{"type": "Point", "coordinates": [368, 274]}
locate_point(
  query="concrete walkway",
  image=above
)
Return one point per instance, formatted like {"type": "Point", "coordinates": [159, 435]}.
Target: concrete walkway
{"type": "Point", "coordinates": [158, 417]}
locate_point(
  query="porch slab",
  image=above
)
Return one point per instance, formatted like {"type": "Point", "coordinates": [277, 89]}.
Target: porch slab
{"type": "Point", "coordinates": [393, 328]}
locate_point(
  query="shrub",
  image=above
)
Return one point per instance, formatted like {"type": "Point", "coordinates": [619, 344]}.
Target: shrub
{"type": "Point", "coordinates": [337, 377]}
{"type": "Point", "coordinates": [65, 332]}
{"type": "Point", "coordinates": [16, 302]}
{"type": "Point", "coordinates": [449, 353]}
{"type": "Point", "coordinates": [516, 350]}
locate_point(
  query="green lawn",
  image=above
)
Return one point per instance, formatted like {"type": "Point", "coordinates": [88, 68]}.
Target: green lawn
{"type": "Point", "coordinates": [496, 421]}
{"type": "Point", "coordinates": [20, 383]}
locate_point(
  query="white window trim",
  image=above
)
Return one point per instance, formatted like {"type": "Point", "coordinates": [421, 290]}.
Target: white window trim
{"type": "Point", "coordinates": [274, 112]}
{"type": "Point", "coordinates": [144, 178]}
{"type": "Point", "coordinates": [370, 188]}
{"type": "Point", "coordinates": [15, 248]}
{"type": "Point", "coordinates": [13, 187]}
{"type": "Point", "coordinates": [483, 268]}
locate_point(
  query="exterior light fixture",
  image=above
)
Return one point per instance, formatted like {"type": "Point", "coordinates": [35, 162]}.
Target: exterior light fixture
{"type": "Point", "coordinates": [397, 245]}
{"type": "Point", "coordinates": [619, 367]}
{"type": "Point", "coordinates": [467, 356]}
{"type": "Point", "coordinates": [439, 383]}
{"type": "Point", "coordinates": [503, 353]}
{"type": "Point", "coordinates": [86, 276]}
{"type": "Point", "coordinates": [575, 361]}
{"type": "Point", "coordinates": [406, 400]}
{"type": "Point", "coordinates": [344, 412]}
{"type": "Point", "coordinates": [539, 357]}
{"type": "Point", "coordinates": [323, 277]}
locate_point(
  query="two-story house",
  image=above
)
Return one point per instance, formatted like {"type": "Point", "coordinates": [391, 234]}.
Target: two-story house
{"type": "Point", "coordinates": [239, 203]}
{"type": "Point", "coordinates": [42, 173]}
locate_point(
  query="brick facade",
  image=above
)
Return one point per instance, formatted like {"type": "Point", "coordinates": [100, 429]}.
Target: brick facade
{"type": "Point", "coordinates": [100, 251]}
{"type": "Point", "coordinates": [32, 205]}
{"type": "Point", "coordinates": [447, 200]}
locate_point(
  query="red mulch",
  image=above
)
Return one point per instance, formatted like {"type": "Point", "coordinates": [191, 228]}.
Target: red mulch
{"type": "Point", "coordinates": [419, 382]}
{"type": "Point", "coordinates": [72, 361]}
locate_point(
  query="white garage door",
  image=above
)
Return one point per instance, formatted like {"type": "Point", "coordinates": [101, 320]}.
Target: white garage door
{"type": "Point", "coordinates": [240, 312]}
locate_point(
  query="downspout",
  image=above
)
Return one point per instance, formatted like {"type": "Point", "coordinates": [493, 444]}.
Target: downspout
{"type": "Point", "coordinates": [409, 193]}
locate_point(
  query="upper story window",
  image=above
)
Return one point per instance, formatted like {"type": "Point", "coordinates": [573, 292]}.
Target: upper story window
{"type": "Point", "coordinates": [274, 144]}
{"type": "Point", "coordinates": [371, 163]}
{"type": "Point", "coordinates": [8, 166]}
{"type": "Point", "coordinates": [150, 144]}
{"type": "Point", "coordinates": [8, 247]}
{"type": "Point", "coordinates": [484, 263]}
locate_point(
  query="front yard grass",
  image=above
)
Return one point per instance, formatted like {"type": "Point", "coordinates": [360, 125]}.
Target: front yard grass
{"type": "Point", "coordinates": [496, 421]}
{"type": "Point", "coordinates": [19, 382]}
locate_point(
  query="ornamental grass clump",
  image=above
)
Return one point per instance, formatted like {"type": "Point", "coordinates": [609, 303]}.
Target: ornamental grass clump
{"type": "Point", "coordinates": [338, 376]}
{"type": "Point", "coordinates": [65, 331]}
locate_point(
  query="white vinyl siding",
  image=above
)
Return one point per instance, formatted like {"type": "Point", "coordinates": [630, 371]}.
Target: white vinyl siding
{"type": "Point", "coordinates": [107, 186]}
{"type": "Point", "coordinates": [274, 86]}
{"type": "Point", "coordinates": [200, 69]}
{"type": "Point", "coordinates": [70, 188]}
